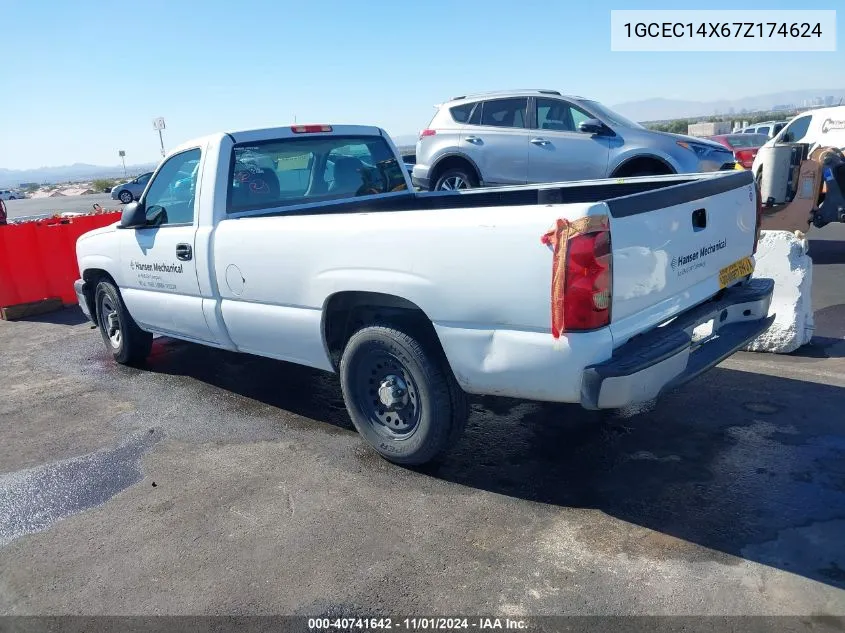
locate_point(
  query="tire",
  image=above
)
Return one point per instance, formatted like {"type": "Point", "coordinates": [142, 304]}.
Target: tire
{"type": "Point", "coordinates": [127, 343]}
{"type": "Point", "coordinates": [125, 196]}
{"type": "Point", "coordinates": [455, 179]}
{"type": "Point", "coordinates": [401, 395]}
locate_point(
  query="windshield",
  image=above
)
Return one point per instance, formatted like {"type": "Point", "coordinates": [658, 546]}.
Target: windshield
{"type": "Point", "coordinates": [609, 116]}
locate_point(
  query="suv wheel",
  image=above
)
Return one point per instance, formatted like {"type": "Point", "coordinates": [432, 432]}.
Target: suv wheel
{"type": "Point", "coordinates": [455, 179]}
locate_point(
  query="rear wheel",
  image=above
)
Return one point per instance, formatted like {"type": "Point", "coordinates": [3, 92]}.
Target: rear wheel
{"type": "Point", "coordinates": [127, 343]}
{"type": "Point", "coordinates": [401, 395]}
{"type": "Point", "coordinates": [456, 178]}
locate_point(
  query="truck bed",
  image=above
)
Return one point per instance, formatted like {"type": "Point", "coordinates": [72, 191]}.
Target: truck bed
{"type": "Point", "coordinates": [624, 197]}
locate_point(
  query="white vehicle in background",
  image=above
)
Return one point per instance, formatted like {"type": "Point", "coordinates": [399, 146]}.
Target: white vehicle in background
{"type": "Point", "coordinates": [307, 244]}
{"type": "Point", "coordinates": [824, 127]}
{"type": "Point", "coordinates": [11, 194]}
{"type": "Point", "coordinates": [767, 128]}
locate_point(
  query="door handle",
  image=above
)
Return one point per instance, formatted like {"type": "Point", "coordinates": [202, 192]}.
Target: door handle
{"type": "Point", "coordinates": [184, 252]}
{"type": "Point", "coordinates": [472, 139]}
{"type": "Point", "coordinates": [540, 141]}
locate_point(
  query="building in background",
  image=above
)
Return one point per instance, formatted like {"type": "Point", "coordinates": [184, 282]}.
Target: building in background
{"type": "Point", "coordinates": [709, 128]}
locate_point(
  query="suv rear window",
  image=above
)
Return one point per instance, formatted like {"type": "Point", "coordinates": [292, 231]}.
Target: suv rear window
{"type": "Point", "coordinates": [292, 171]}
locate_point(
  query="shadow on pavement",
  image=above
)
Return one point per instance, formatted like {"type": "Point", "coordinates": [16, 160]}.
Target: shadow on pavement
{"type": "Point", "coordinates": [824, 252]}
{"type": "Point", "coordinates": [743, 464]}
{"type": "Point", "coordinates": [66, 316]}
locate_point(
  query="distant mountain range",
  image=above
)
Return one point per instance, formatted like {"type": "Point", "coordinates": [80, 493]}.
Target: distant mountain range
{"type": "Point", "coordinates": [662, 109]}
{"type": "Point", "coordinates": [66, 173]}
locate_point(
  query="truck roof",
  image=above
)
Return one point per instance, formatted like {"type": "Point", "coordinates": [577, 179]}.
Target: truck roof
{"type": "Point", "coordinates": [286, 131]}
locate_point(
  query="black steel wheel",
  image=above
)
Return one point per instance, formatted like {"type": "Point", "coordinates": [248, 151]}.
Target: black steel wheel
{"type": "Point", "coordinates": [401, 395]}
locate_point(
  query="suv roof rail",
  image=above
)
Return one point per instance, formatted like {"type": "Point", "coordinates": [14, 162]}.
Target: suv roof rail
{"type": "Point", "coordinates": [544, 91]}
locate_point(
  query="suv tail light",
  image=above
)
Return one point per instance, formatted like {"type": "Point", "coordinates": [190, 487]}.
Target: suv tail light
{"type": "Point", "coordinates": [758, 225]}
{"type": "Point", "coordinates": [582, 282]}
{"type": "Point", "coordinates": [427, 132]}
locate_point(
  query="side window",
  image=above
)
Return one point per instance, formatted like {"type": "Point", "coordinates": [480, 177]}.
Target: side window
{"type": "Point", "coordinates": [554, 114]}
{"type": "Point", "coordinates": [505, 112]}
{"type": "Point", "coordinates": [290, 171]}
{"type": "Point", "coordinates": [763, 130]}
{"type": "Point", "coordinates": [461, 113]}
{"type": "Point", "coordinates": [797, 130]}
{"type": "Point", "coordinates": [475, 117]}
{"type": "Point", "coordinates": [170, 196]}
{"type": "Point", "coordinates": [143, 180]}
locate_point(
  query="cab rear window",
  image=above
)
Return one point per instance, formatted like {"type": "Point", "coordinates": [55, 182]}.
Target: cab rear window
{"type": "Point", "coordinates": [292, 171]}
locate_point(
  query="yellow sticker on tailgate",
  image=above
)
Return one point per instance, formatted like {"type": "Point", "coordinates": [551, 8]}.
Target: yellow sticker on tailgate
{"type": "Point", "coordinates": [730, 274]}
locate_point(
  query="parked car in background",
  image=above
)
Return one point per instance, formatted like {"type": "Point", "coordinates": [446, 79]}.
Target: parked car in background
{"type": "Point", "coordinates": [744, 146]}
{"type": "Point", "coordinates": [11, 194]}
{"type": "Point", "coordinates": [532, 136]}
{"type": "Point", "coordinates": [823, 127]}
{"type": "Point", "coordinates": [3, 215]}
{"type": "Point", "coordinates": [768, 128]}
{"type": "Point", "coordinates": [132, 190]}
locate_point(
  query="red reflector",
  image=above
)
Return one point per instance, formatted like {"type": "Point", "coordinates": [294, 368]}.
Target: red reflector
{"type": "Point", "coordinates": [425, 133]}
{"type": "Point", "coordinates": [309, 129]}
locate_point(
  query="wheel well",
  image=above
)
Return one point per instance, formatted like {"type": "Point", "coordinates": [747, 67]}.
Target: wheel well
{"type": "Point", "coordinates": [453, 162]}
{"type": "Point", "coordinates": [347, 312]}
{"type": "Point", "coordinates": [92, 277]}
{"type": "Point", "coordinates": [642, 163]}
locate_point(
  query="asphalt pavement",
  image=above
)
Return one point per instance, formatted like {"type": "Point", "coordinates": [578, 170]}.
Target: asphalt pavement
{"type": "Point", "coordinates": [209, 482]}
{"type": "Point", "coordinates": [62, 204]}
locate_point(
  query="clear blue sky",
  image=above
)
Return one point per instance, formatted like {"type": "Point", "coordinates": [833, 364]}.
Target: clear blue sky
{"type": "Point", "coordinates": [83, 79]}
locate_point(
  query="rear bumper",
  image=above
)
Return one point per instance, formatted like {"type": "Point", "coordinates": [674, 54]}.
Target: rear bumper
{"type": "Point", "coordinates": [419, 177]}
{"type": "Point", "coordinates": [667, 357]}
{"type": "Point", "coordinates": [80, 288]}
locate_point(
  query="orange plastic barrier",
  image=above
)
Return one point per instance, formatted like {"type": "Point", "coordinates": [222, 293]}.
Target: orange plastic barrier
{"type": "Point", "coordinates": [38, 258]}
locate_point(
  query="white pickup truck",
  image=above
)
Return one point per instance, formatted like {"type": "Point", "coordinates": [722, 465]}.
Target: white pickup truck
{"type": "Point", "coordinates": [308, 245]}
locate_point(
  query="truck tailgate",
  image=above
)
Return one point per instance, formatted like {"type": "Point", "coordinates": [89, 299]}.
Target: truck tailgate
{"type": "Point", "coordinates": [676, 247]}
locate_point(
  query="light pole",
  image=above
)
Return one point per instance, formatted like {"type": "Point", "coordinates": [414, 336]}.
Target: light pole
{"type": "Point", "coordinates": [158, 124]}
{"type": "Point", "coordinates": [122, 155]}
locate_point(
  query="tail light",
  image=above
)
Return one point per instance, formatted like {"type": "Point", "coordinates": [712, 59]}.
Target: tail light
{"type": "Point", "coordinates": [425, 133]}
{"type": "Point", "coordinates": [745, 156]}
{"type": "Point", "coordinates": [759, 222]}
{"type": "Point", "coordinates": [582, 282]}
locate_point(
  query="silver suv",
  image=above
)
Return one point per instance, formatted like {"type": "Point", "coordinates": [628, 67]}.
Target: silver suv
{"type": "Point", "coordinates": [526, 136]}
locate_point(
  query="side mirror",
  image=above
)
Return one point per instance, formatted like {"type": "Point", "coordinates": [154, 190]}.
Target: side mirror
{"type": "Point", "coordinates": [594, 126]}
{"type": "Point", "coordinates": [134, 216]}
{"type": "Point", "coordinates": [156, 216]}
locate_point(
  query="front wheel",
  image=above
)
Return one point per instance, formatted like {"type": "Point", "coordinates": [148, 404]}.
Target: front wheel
{"type": "Point", "coordinates": [127, 343]}
{"type": "Point", "coordinates": [401, 395]}
{"type": "Point", "coordinates": [126, 197]}
{"type": "Point", "coordinates": [456, 179]}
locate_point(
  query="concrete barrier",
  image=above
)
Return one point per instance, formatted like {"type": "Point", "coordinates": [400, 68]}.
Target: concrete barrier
{"type": "Point", "coordinates": [783, 256]}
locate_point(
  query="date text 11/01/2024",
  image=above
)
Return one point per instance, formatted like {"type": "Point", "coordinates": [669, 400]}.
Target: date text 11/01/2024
{"type": "Point", "coordinates": [416, 624]}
